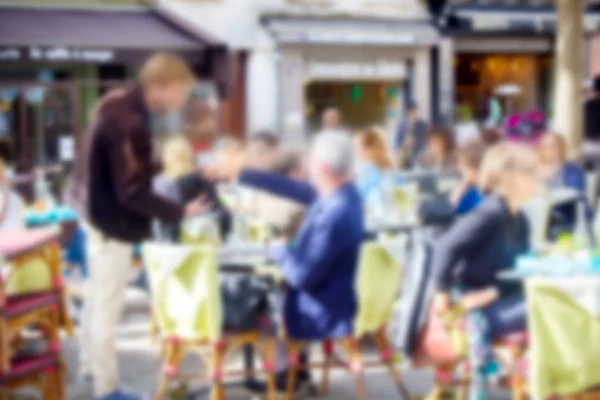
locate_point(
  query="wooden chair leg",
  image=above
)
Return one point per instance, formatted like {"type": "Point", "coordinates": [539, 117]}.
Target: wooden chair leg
{"type": "Point", "coordinates": [269, 367]}
{"type": "Point", "coordinates": [153, 328]}
{"type": "Point", "coordinates": [217, 360]}
{"type": "Point", "coordinates": [172, 354]}
{"type": "Point", "coordinates": [517, 381]}
{"type": "Point", "coordinates": [462, 392]}
{"type": "Point", "coordinates": [4, 347]}
{"type": "Point", "coordinates": [328, 350]}
{"type": "Point", "coordinates": [436, 393]}
{"type": "Point", "coordinates": [294, 349]}
{"type": "Point", "coordinates": [57, 387]}
{"type": "Point", "coordinates": [442, 383]}
{"type": "Point", "coordinates": [352, 350]}
{"type": "Point", "coordinates": [60, 383]}
{"type": "Point", "coordinates": [386, 354]}
{"type": "Point", "coordinates": [53, 257]}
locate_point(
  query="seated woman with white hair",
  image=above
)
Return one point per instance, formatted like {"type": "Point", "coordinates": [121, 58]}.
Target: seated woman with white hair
{"type": "Point", "coordinates": [320, 267]}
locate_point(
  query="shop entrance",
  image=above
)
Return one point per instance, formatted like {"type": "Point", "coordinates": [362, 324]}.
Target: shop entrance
{"type": "Point", "coordinates": [528, 79]}
{"type": "Point", "coordinates": [361, 103]}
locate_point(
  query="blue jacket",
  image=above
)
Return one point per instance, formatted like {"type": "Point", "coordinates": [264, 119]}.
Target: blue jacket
{"type": "Point", "coordinates": [320, 268]}
{"type": "Point", "coordinates": [469, 200]}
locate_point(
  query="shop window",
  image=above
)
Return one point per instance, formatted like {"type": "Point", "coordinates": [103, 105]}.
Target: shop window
{"type": "Point", "coordinates": [8, 115]}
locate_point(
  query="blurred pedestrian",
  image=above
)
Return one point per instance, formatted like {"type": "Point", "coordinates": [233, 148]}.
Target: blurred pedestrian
{"type": "Point", "coordinates": [180, 182]}
{"type": "Point", "coordinates": [468, 194]}
{"type": "Point", "coordinates": [261, 150]}
{"type": "Point", "coordinates": [372, 167]}
{"type": "Point", "coordinates": [439, 151]}
{"type": "Point", "coordinates": [12, 207]}
{"type": "Point", "coordinates": [410, 138]}
{"type": "Point", "coordinates": [492, 166]}
{"type": "Point", "coordinates": [491, 136]}
{"type": "Point", "coordinates": [490, 113]}
{"type": "Point", "coordinates": [557, 172]}
{"type": "Point", "coordinates": [111, 189]}
{"type": "Point", "coordinates": [331, 119]}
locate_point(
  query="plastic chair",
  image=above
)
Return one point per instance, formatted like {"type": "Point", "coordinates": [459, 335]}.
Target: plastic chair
{"type": "Point", "coordinates": [377, 286]}
{"type": "Point", "coordinates": [187, 306]}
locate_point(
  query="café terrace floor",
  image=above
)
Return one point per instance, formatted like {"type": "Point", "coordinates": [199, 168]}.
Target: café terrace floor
{"type": "Point", "coordinates": [139, 365]}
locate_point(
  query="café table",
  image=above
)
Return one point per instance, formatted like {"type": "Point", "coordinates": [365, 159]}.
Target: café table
{"type": "Point", "coordinates": [375, 227]}
{"type": "Point", "coordinates": [61, 216]}
{"type": "Point", "coordinates": [563, 316]}
{"type": "Point", "coordinates": [14, 244]}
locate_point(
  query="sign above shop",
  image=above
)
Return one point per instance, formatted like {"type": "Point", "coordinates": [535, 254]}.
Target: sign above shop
{"type": "Point", "coordinates": [378, 69]}
{"type": "Point", "coordinates": [373, 38]}
{"type": "Point", "coordinates": [56, 54]}
{"type": "Point", "coordinates": [70, 54]}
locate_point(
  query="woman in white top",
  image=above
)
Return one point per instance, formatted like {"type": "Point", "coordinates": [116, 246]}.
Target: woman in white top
{"type": "Point", "coordinates": [12, 208]}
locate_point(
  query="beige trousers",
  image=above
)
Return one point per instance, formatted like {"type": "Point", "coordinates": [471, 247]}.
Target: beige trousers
{"type": "Point", "coordinates": [109, 263]}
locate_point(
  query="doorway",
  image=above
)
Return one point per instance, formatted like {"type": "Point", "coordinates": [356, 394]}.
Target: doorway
{"type": "Point", "coordinates": [361, 103]}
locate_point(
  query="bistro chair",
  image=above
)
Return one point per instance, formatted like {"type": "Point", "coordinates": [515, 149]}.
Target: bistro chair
{"type": "Point", "coordinates": [377, 286]}
{"type": "Point", "coordinates": [456, 375]}
{"type": "Point", "coordinates": [187, 306]}
{"type": "Point", "coordinates": [41, 371]}
{"type": "Point", "coordinates": [37, 273]}
{"type": "Point", "coordinates": [31, 305]}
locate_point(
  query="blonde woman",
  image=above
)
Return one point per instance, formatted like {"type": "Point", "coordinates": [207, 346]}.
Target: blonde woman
{"type": "Point", "coordinates": [557, 172]}
{"type": "Point", "coordinates": [373, 164]}
{"type": "Point", "coordinates": [180, 183]}
{"type": "Point", "coordinates": [492, 167]}
{"type": "Point", "coordinates": [470, 255]}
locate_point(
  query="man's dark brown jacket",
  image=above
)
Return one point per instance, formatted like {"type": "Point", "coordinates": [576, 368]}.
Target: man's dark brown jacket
{"type": "Point", "coordinates": [111, 185]}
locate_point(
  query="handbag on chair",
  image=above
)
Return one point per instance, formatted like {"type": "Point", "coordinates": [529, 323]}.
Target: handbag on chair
{"type": "Point", "coordinates": [442, 340]}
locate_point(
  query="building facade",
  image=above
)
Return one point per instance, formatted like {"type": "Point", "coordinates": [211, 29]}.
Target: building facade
{"type": "Point", "coordinates": [509, 44]}
{"type": "Point", "coordinates": [367, 57]}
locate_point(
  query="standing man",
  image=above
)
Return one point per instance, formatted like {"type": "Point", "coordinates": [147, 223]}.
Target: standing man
{"type": "Point", "coordinates": [112, 191]}
{"type": "Point", "coordinates": [410, 138]}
